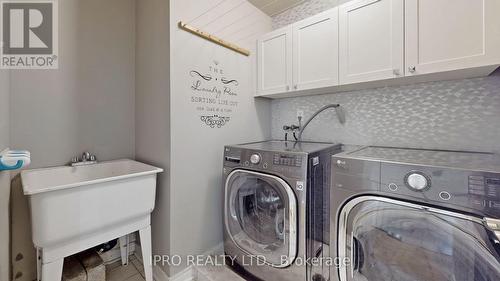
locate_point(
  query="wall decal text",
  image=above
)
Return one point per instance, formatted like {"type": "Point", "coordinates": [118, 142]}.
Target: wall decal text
{"type": "Point", "coordinates": [214, 95]}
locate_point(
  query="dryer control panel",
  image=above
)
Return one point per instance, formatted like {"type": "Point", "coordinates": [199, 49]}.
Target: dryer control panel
{"type": "Point", "coordinates": [486, 190]}
{"type": "Point", "coordinates": [463, 180]}
{"type": "Point", "coordinates": [469, 189]}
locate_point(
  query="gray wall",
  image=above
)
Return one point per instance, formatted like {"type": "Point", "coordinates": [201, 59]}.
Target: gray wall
{"type": "Point", "coordinates": [461, 115]}
{"type": "Point", "coordinates": [196, 149]}
{"type": "Point", "coordinates": [4, 177]}
{"type": "Point", "coordinates": [87, 104]}
{"type": "Point", "coordinates": [153, 108]}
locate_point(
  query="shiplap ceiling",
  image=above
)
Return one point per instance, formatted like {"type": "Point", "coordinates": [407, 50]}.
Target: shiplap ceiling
{"type": "Point", "coordinates": [273, 7]}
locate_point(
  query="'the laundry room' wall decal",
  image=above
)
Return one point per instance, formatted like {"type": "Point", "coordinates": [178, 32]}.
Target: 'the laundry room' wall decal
{"type": "Point", "coordinates": [214, 95]}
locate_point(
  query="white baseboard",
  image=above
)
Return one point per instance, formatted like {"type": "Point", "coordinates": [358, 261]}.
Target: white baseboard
{"type": "Point", "coordinates": [159, 274]}
{"type": "Point", "coordinates": [215, 251]}
{"type": "Point", "coordinates": [187, 274]}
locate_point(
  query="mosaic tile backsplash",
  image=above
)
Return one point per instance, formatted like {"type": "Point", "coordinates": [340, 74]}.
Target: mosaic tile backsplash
{"type": "Point", "coordinates": [454, 115]}
{"type": "Point", "coordinates": [304, 10]}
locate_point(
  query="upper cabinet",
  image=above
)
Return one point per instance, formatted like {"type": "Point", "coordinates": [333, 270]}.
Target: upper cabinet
{"type": "Point", "coordinates": [274, 62]}
{"type": "Point", "coordinates": [371, 40]}
{"type": "Point", "coordinates": [302, 56]}
{"type": "Point", "coordinates": [373, 43]}
{"type": "Point", "coordinates": [444, 35]}
{"type": "Point", "coordinates": [315, 49]}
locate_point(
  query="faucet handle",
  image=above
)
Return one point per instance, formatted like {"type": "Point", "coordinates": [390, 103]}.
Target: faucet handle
{"type": "Point", "coordinates": [86, 156]}
{"type": "Point", "coordinates": [75, 159]}
{"type": "Point", "coordinates": [93, 158]}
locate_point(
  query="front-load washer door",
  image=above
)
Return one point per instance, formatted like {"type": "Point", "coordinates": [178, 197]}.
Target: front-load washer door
{"type": "Point", "coordinates": [385, 239]}
{"type": "Point", "coordinates": [261, 216]}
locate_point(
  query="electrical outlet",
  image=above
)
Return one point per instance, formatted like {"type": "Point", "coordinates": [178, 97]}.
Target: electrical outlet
{"type": "Point", "coordinates": [300, 114]}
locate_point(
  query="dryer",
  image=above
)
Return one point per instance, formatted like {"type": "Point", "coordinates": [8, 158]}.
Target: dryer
{"type": "Point", "coordinates": [276, 208]}
{"type": "Point", "coordinates": [413, 215]}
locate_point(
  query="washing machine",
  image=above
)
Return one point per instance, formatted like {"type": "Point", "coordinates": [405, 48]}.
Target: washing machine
{"type": "Point", "coordinates": [276, 208]}
{"type": "Point", "coordinates": [415, 215]}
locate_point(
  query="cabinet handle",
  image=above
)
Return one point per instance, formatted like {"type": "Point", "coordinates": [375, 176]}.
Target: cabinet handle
{"type": "Point", "coordinates": [412, 69]}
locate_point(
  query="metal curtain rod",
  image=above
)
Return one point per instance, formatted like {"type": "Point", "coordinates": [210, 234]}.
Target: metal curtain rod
{"type": "Point", "coordinates": [213, 38]}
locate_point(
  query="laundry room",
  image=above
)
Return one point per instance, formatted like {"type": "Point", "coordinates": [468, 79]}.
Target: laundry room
{"type": "Point", "coordinates": [277, 140]}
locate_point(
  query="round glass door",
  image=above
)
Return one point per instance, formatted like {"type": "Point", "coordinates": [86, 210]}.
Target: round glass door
{"type": "Point", "coordinates": [393, 240]}
{"type": "Point", "coordinates": [262, 219]}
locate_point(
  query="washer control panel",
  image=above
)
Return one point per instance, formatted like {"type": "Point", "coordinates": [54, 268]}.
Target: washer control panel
{"type": "Point", "coordinates": [293, 165]}
{"type": "Point", "coordinates": [287, 160]}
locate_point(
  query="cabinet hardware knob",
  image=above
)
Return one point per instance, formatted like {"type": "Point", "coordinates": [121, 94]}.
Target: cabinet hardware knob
{"type": "Point", "coordinates": [412, 69]}
{"type": "Point", "coordinates": [295, 87]}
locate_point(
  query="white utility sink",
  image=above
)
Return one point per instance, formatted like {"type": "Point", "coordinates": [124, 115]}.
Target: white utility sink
{"type": "Point", "coordinates": [76, 208]}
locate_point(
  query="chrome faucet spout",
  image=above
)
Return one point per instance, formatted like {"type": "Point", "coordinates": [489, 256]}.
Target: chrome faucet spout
{"type": "Point", "coordinates": [340, 116]}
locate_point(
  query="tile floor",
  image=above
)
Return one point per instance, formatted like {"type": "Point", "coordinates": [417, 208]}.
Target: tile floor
{"type": "Point", "coordinates": [216, 273]}
{"type": "Point", "coordinates": [134, 271]}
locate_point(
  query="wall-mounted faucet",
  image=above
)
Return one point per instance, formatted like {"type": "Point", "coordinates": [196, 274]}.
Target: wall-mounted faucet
{"type": "Point", "coordinates": [290, 129]}
{"type": "Point", "coordinates": [86, 159]}
{"type": "Point", "coordinates": [297, 131]}
{"type": "Point", "coordinates": [338, 110]}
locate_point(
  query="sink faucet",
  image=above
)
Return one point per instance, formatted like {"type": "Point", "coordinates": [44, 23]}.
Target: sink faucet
{"type": "Point", "coordinates": [87, 159]}
{"type": "Point", "coordinates": [86, 156]}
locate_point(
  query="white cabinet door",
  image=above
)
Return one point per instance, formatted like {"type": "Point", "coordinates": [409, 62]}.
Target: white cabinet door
{"type": "Point", "coordinates": [371, 40]}
{"type": "Point", "coordinates": [443, 35]}
{"type": "Point", "coordinates": [315, 51]}
{"type": "Point", "coordinates": [274, 62]}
